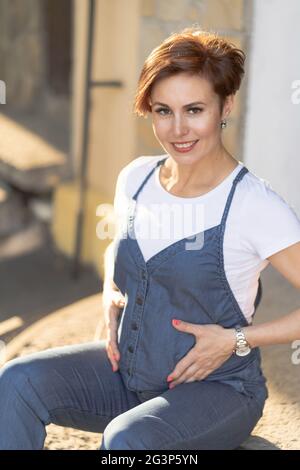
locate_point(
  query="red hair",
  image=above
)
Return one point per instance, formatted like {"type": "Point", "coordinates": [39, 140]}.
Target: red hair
{"type": "Point", "coordinates": [196, 52]}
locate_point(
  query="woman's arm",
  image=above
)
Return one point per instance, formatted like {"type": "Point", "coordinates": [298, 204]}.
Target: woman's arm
{"type": "Point", "coordinates": [109, 268]}
{"type": "Point", "coordinates": [112, 301]}
{"type": "Point", "coordinates": [286, 328]}
{"type": "Point", "coordinates": [215, 344]}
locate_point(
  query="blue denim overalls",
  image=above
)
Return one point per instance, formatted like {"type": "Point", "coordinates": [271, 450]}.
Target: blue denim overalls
{"type": "Point", "coordinates": [187, 284]}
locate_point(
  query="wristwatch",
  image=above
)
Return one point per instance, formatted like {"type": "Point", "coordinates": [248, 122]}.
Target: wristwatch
{"type": "Point", "coordinates": [242, 347]}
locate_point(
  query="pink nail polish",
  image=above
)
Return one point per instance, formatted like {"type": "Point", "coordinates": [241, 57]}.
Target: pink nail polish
{"type": "Point", "coordinates": [175, 322]}
{"type": "Point", "coordinates": [170, 378]}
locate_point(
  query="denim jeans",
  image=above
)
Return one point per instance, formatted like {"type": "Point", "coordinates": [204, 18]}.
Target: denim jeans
{"type": "Point", "coordinates": [75, 386]}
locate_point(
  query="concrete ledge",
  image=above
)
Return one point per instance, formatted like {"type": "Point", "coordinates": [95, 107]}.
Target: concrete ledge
{"type": "Point", "coordinates": [27, 239]}
{"type": "Point", "coordinates": [28, 161]}
{"type": "Point", "coordinates": [13, 213]}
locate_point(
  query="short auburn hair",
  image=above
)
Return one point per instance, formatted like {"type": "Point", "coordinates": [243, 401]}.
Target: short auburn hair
{"type": "Point", "coordinates": [196, 52]}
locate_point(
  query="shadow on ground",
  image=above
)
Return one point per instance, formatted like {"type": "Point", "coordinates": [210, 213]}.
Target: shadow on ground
{"type": "Point", "coordinates": [38, 283]}
{"type": "Point", "coordinates": [258, 443]}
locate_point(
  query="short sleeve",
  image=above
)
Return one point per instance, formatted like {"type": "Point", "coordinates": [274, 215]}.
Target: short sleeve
{"type": "Point", "coordinates": [269, 223]}
{"type": "Point", "coordinates": [120, 200]}
{"type": "Point", "coordinates": [127, 181]}
{"type": "Point", "coordinates": [119, 192]}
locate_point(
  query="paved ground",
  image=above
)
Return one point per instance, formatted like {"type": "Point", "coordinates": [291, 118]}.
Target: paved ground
{"type": "Point", "coordinates": [77, 322]}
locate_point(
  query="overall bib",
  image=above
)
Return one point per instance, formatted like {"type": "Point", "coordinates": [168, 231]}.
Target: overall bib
{"type": "Point", "coordinates": [183, 283]}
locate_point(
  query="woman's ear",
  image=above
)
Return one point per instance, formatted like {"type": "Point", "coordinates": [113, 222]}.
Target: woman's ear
{"type": "Point", "coordinates": [228, 105]}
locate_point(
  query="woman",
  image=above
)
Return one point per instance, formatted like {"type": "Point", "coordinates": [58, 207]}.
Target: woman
{"type": "Point", "coordinates": [180, 368]}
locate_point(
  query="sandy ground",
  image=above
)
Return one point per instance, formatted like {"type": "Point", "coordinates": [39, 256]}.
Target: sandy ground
{"type": "Point", "coordinates": [70, 325]}
{"type": "Point", "coordinates": [280, 424]}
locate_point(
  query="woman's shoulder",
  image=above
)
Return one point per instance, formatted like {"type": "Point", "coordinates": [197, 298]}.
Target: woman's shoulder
{"type": "Point", "coordinates": [131, 176]}
{"type": "Point", "coordinates": [257, 190]}
{"type": "Point", "coordinates": [252, 183]}
{"type": "Point", "coordinates": [136, 170]}
{"type": "Point", "coordinates": [259, 199]}
{"type": "Point", "coordinates": [140, 164]}
{"type": "Point", "coordinates": [268, 223]}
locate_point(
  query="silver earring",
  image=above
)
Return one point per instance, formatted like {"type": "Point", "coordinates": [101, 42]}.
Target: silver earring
{"type": "Point", "coordinates": [223, 124]}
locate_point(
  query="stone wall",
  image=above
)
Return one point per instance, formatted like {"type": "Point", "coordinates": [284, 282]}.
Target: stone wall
{"type": "Point", "coordinates": [160, 18]}
{"type": "Point", "coordinates": [22, 51]}
{"type": "Point", "coordinates": [34, 125]}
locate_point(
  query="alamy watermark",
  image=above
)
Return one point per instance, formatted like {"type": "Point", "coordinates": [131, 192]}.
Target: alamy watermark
{"type": "Point", "coordinates": [2, 92]}
{"type": "Point", "coordinates": [158, 221]}
{"type": "Point", "coordinates": [296, 353]}
{"type": "Point", "coordinates": [295, 97]}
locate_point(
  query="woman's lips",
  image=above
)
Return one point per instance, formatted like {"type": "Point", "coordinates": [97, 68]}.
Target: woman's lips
{"type": "Point", "coordinates": [184, 149]}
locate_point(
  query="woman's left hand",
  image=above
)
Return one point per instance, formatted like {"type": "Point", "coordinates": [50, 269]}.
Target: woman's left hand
{"type": "Point", "coordinates": [214, 345]}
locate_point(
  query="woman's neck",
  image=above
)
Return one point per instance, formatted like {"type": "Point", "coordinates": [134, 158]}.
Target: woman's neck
{"type": "Point", "coordinates": [199, 178]}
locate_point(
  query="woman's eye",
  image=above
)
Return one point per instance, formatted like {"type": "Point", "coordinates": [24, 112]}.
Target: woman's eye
{"type": "Point", "coordinates": [164, 111]}
{"type": "Point", "coordinates": [196, 110]}
{"type": "Point", "coordinates": [161, 109]}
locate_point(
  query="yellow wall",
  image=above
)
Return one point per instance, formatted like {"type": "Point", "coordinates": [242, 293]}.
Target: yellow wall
{"type": "Point", "coordinates": [112, 134]}
{"type": "Point", "coordinates": [64, 224]}
{"type": "Point", "coordinates": [112, 124]}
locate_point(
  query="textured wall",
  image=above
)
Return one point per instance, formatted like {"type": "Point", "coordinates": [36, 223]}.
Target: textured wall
{"type": "Point", "coordinates": [22, 51]}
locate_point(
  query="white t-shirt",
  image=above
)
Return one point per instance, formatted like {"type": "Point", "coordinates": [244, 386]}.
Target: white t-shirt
{"type": "Point", "coordinates": [259, 223]}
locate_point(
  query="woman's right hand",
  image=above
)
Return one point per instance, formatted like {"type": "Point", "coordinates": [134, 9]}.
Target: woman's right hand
{"type": "Point", "coordinates": [113, 301]}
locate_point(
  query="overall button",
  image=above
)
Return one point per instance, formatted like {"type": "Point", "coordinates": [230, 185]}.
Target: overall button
{"type": "Point", "coordinates": [130, 349]}
{"type": "Point", "coordinates": [139, 300]}
{"type": "Point", "coordinates": [128, 372]}
{"type": "Point", "coordinates": [144, 275]}
{"type": "Point", "coordinates": [134, 326]}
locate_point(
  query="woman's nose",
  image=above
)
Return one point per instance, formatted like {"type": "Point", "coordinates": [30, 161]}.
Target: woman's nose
{"type": "Point", "coordinates": [180, 127]}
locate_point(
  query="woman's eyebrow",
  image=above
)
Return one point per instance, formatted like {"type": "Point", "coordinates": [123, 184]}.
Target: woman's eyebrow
{"type": "Point", "coordinates": [185, 106]}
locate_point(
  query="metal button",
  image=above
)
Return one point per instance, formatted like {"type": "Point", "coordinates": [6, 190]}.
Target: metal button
{"type": "Point", "coordinates": [144, 275]}
{"type": "Point", "coordinates": [134, 326]}
{"type": "Point", "coordinates": [139, 300]}
{"type": "Point", "coordinates": [130, 349]}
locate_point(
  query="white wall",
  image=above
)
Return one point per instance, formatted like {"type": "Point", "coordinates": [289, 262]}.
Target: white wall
{"type": "Point", "coordinates": [272, 134]}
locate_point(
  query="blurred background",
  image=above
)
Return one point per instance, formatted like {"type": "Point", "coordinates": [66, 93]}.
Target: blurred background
{"type": "Point", "coordinates": [68, 74]}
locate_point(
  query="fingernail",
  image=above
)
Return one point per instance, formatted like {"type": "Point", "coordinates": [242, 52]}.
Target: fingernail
{"type": "Point", "coordinates": [171, 386]}
{"type": "Point", "coordinates": [176, 322]}
{"type": "Point", "coordinates": [169, 378]}
{"type": "Point", "coordinates": [115, 357]}
{"type": "Point", "coordinates": [114, 368]}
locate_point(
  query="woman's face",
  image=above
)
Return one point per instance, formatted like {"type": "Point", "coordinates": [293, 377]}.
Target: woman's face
{"type": "Point", "coordinates": [185, 109]}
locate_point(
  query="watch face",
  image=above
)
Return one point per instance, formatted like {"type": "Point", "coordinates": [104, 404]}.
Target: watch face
{"type": "Point", "coordinates": [243, 351]}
